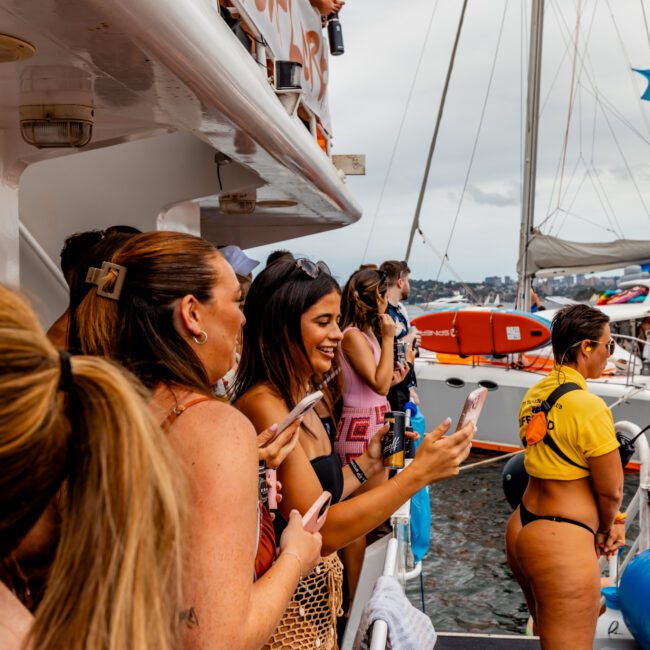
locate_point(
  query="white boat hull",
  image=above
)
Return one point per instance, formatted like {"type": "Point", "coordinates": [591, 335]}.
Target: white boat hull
{"type": "Point", "coordinates": [442, 389]}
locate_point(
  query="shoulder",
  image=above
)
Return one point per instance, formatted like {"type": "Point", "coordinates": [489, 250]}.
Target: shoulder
{"type": "Point", "coordinates": [212, 425]}
{"type": "Point", "coordinates": [262, 405]}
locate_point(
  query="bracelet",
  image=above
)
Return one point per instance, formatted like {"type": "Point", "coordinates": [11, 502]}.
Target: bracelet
{"type": "Point", "coordinates": [358, 472]}
{"type": "Point", "coordinates": [297, 558]}
{"type": "Point", "coordinates": [620, 517]}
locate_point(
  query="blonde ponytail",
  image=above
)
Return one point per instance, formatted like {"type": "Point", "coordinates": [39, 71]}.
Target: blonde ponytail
{"type": "Point", "coordinates": [114, 582]}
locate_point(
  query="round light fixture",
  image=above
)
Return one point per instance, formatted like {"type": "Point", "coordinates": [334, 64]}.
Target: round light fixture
{"type": "Point", "coordinates": [14, 49]}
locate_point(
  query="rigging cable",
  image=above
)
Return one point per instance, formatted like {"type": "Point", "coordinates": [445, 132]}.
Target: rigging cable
{"type": "Point", "coordinates": [476, 139]}
{"type": "Point", "coordinates": [416, 218]}
{"type": "Point", "coordinates": [631, 74]}
{"type": "Point", "coordinates": [576, 37]}
{"type": "Point", "coordinates": [645, 21]}
{"type": "Point", "coordinates": [399, 131]}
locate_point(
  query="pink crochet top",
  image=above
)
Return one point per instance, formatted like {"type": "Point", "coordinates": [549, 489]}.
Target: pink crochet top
{"type": "Point", "coordinates": [356, 392]}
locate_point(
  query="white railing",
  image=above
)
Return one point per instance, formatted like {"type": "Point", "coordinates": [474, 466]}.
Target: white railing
{"type": "Point", "coordinates": [639, 506]}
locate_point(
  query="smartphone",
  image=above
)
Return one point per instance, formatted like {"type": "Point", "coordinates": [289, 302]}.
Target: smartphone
{"type": "Point", "coordinates": [472, 407]}
{"type": "Point", "coordinates": [300, 408]}
{"type": "Point", "coordinates": [316, 515]}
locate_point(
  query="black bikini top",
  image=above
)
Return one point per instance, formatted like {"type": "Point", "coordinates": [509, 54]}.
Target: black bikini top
{"type": "Point", "coordinates": [328, 469]}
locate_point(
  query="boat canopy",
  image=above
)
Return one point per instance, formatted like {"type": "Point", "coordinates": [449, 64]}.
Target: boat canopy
{"type": "Point", "coordinates": [548, 256]}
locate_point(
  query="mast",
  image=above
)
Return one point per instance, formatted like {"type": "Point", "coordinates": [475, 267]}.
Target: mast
{"type": "Point", "coordinates": [530, 157]}
{"type": "Point", "coordinates": [416, 217]}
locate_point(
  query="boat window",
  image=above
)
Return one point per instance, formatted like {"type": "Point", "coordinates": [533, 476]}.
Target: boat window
{"type": "Point", "coordinates": [455, 382]}
{"type": "Point", "coordinates": [489, 384]}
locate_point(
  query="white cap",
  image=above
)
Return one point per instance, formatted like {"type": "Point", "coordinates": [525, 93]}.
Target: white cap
{"type": "Point", "coordinates": [240, 262]}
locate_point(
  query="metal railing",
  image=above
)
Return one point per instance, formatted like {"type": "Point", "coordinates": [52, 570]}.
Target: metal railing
{"type": "Point", "coordinates": [638, 510]}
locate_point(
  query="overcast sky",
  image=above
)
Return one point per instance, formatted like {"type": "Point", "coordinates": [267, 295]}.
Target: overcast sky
{"type": "Point", "coordinates": [369, 87]}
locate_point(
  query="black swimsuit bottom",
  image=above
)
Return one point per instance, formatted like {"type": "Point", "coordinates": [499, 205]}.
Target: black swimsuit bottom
{"type": "Point", "coordinates": [528, 517]}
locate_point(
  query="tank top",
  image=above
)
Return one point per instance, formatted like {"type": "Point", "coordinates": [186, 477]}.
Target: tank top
{"type": "Point", "coordinates": [356, 392]}
{"type": "Point", "coordinates": [265, 551]}
{"type": "Point", "coordinates": [328, 469]}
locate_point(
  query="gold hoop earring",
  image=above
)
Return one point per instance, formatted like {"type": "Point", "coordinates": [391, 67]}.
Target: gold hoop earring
{"type": "Point", "coordinates": [201, 338]}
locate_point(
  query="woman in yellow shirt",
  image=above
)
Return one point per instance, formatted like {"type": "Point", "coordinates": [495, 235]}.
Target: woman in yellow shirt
{"type": "Point", "coordinates": [568, 515]}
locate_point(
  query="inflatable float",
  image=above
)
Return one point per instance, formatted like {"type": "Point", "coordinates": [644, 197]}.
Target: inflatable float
{"type": "Point", "coordinates": [479, 330]}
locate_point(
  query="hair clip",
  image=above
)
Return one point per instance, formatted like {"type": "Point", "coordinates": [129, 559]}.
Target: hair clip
{"type": "Point", "coordinates": [98, 277]}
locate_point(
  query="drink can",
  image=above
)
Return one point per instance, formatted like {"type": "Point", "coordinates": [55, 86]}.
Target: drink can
{"type": "Point", "coordinates": [393, 442]}
{"type": "Point", "coordinates": [262, 486]}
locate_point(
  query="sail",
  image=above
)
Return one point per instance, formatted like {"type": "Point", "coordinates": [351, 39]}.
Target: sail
{"type": "Point", "coordinates": [549, 256]}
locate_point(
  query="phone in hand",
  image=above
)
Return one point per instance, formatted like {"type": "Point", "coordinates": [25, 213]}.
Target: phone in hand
{"type": "Point", "coordinates": [314, 518]}
{"type": "Point", "coordinates": [300, 408]}
{"type": "Point", "coordinates": [472, 407]}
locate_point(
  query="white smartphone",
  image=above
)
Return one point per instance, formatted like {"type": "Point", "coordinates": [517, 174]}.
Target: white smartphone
{"type": "Point", "coordinates": [300, 408]}
{"type": "Point", "coordinates": [315, 517]}
{"type": "Point", "coordinates": [472, 407]}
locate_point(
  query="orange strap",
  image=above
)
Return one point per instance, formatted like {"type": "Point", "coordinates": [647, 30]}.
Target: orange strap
{"type": "Point", "coordinates": [179, 409]}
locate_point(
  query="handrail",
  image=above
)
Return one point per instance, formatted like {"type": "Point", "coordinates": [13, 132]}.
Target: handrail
{"type": "Point", "coordinates": [639, 506]}
{"type": "Point", "coordinates": [379, 627]}
{"type": "Point", "coordinates": [39, 251]}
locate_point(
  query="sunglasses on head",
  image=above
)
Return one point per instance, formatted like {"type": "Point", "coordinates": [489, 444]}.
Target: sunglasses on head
{"type": "Point", "coordinates": [313, 269]}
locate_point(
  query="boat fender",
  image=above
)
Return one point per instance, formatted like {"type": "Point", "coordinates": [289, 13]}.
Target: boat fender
{"type": "Point", "coordinates": [634, 596]}
{"type": "Point", "coordinates": [514, 480]}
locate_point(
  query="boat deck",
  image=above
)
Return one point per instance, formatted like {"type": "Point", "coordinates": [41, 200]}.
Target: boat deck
{"type": "Point", "coordinates": [459, 641]}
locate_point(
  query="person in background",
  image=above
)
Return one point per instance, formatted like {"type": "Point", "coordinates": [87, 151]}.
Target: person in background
{"type": "Point", "coordinates": [242, 265]}
{"type": "Point", "coordinates": [569, 513]}
{"type": "Point", "coordinates": [76, 431]}
{"type": "Point", "coordinates": [291, 336]}
{"type": "Point", "coordinates": [327, 7]}
{"type": "Point", "coordinates": [397, 276]}
{"type": "Point", "coordinates": [170, 312]}
{"type": "Point", "coordinates": [75, 253]}
{"type": "Point", "coordinates": [279, 255]}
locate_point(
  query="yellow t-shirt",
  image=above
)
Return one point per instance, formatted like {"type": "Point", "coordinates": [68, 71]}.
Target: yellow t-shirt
{"type": "Point", "coordinates": [580, 423]}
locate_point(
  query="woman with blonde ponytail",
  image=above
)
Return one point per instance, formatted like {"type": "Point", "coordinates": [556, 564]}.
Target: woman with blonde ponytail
{"type": "Point", "coordinates": [75, 431]}
{"type": "Point", "coordinates": [167, 306]}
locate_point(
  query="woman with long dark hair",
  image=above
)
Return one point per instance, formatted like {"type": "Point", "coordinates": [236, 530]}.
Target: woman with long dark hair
{"type": "Point", "coordinates": [167, 306]}
{"type": "Point", "coordinates": [291, 337]}
{"type": "Point", "coordinates": [568, 515]}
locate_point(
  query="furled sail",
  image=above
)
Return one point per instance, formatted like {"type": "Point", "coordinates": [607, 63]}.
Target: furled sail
{"type": "Point", "coordinates": [549, 256]}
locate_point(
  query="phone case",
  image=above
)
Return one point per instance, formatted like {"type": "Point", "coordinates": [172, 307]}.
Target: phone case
{"type": "Point", "coordinates": [472, 407]}
{"type": "Point", "coordinates": [315, 517]}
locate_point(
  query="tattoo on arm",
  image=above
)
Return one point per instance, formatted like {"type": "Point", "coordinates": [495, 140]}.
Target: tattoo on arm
{"type": "Point", "coordinates": [189, 617]}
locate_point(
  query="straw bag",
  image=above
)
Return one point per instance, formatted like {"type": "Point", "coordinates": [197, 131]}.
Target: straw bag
{"type": "Point", "coordinates": [310, 618]}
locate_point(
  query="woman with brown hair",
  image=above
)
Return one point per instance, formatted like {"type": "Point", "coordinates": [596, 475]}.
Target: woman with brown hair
{"type": "Point", "coordinates": [166, 305]}
{"type": "Point", "coordinates": [367, 361]}
{"type": "Point", "coordinates": [568, 514]}
{"type": "Point", "coordinates": [76, 431]}
{"type": "Point", "coordinates": [291, 337]}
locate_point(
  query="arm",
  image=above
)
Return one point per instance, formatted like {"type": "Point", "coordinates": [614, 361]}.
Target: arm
{"type": "Point", "coordinates": [437, 458]}
{"type": "Point", "coordinates": [224, 608]}
{"type": "Point", "coordinates": [15, 621]}
{"type": "Point", "coordinates": [607, 482]}
{"type": "Point", "coordinates": [359, 354]}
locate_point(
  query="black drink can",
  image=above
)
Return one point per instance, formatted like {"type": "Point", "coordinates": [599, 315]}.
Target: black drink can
{"type": "Point", "coordinates": [262, 485]}
{"type": "Point", "coordinates": [393, 442]}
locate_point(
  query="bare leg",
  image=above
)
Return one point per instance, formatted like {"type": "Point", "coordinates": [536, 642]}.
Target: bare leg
{"type": "Point", "coordinates": [559, 561]}
{"type": "Point", "coordinates": [512, 532]}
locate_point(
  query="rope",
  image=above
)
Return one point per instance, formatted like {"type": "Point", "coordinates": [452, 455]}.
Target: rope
{"type": "Point", "coordinates": [571, 98]}
{"type": "Point", "coordinates": [488, 461]}
{"type": "Point", "coordinates": [476, 139]}
{"type": "Point", "coordinates": [399, 132]}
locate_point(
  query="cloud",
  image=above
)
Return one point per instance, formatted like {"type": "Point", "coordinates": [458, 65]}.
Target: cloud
{"type": "Point", "coordinates": [510, 194]}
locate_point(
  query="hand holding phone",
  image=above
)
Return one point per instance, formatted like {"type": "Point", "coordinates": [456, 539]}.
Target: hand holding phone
{"type": "Point", "coordinates": [300, 409]}
{"type": "Point", "coordinates": [472, 407]}
{"type": "Point", "coordinates": [314, 518]}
